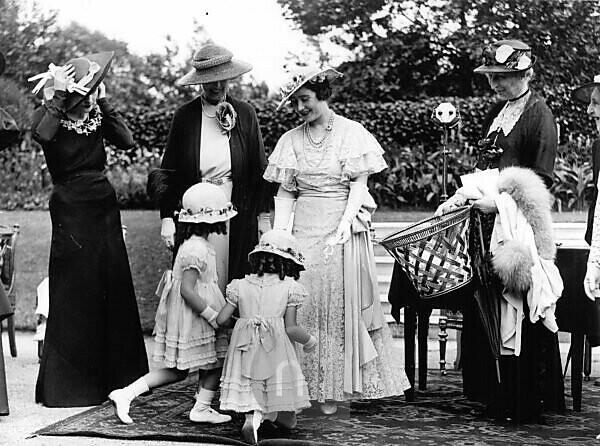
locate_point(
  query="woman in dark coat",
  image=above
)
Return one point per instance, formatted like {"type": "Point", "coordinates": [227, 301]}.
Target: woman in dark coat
{"type": "Point", "coordinates": [518, 131]}
{"type": "Point", "coordinates": [93, 341]}
{"type": "Point", "coordinates": [215, 138]}
{"type": "Point", "coordinates": [8, 131]}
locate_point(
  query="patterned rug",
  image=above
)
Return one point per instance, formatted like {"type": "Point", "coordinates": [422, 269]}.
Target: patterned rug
{"type": "Point", "coordinates": [438, 416]}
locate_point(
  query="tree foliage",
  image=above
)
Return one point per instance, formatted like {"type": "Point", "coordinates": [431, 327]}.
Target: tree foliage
{"type": "Point", "coordinates": [430, 47]}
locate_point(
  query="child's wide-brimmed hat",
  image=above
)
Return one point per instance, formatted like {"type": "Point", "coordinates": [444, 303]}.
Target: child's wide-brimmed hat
{"type": "Point", "coordinates": [213, 63]}
{"type": "Point", "coordinates": [90, 70]}
{"type": "Point", "coordinates": [303, 75]}
{"type": "Point", "coordinates": [583, 92]}
{"type": "Point", "coordinates": [281, 243]}
{"type": "Point", "coordinates": [205, 203]}
{"type": "Point", "coordinates": [506, 56]}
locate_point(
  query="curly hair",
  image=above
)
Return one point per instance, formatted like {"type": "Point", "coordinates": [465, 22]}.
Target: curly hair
{"type": "Point", "coordinates": [265, 262]}
{"type": "Point", "coordinates": [186, 230]}
{"type": "Point", "coordinates": [322, 89]}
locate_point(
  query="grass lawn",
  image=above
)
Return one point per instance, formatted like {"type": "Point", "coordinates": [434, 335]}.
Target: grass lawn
{"type": "Point", "coordinates": [147, 256]}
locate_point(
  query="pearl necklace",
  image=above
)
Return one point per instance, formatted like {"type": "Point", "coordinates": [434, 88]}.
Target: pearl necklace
{"type": "Point", "coordinates": [319, 144]}
{"type": "Point", "coordinates": [308, 141]}
{"type": "Point", "coordinates": [202, 102]}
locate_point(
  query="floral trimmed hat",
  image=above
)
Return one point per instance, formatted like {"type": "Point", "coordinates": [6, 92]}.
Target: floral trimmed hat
{"type": "Point", "coordinates": [282, 243]}
{"type": "Point", "coordinates": [205, 203]}
{"type": "Point", "coordinates": [304, 75]}
{"type": "Point", "coordinates": [583, 92]}
{"type": "Point", "coordinates": [506, 56]}
{"type": "Point", "coordinates": [90, 70]}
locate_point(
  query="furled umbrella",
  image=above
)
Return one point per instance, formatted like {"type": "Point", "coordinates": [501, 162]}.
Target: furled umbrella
{"type": "Point", "coordinates": [488, 295]}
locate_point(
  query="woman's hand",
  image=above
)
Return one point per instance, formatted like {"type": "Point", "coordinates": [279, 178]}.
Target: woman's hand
{"type": "Point", "coordinates": [101, 91]}
{"type": "Point", "coordinates": [344, 231]}
{"type": "Point", "coordinates": [167, 232]}
{"type": "Point", "coordinates": [487, 205]}
{"type": "Point", "coordinates": [591, 283]}
{"type": "Point", "coordinates": [63, 76]}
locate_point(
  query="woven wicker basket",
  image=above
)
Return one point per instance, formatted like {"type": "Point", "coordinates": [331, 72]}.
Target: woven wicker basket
{"type": "Point", "coordinates": [434, 252]}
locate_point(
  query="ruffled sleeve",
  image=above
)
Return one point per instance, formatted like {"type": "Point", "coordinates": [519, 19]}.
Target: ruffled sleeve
{"type": "Point", "coordinates": [296, 294]}
{"type": "Point", "coordinates": [193, 256]}
{"type": "Point", "coordinates": [360, 153]}
{"type": "Point", "coordinates": [232, 292]}
{"type": "Point", "coordinates": [283, 164]}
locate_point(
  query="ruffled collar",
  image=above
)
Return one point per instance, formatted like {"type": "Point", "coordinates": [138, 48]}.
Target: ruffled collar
{"type": "Point", "coordinates": [509, 115]}
{"type": "Point", "coordinates": [84, 126]}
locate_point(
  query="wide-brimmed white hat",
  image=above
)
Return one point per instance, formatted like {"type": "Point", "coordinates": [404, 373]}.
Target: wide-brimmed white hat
{"type": "Point", "coordinates": [583, 92]}
{"type": "Point", "coordinates": [281, 243]}
{"type": "Point", "coordinates": [301, 76]}
{"type": "Point", "coordinates": [205, 203]}
{"type": "Point", "coordinates": [213, 63]}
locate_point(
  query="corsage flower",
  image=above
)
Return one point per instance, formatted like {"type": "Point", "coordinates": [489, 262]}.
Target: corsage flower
{"type": "Point", "coordinates": [226, 116]}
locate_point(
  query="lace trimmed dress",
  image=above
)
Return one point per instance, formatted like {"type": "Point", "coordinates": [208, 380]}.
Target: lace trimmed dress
{"type": "Point", "coordinates": [261, 370]}
{"type": "Point", "coordinates": [321, 178]}
{"type": "Point", "coordinates": [184, 339]}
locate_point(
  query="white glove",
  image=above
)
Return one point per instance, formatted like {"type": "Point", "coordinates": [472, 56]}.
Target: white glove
{"type": "Point", "coordinates": [310, 345]}
{"type": "Point", "coordinates": [211, 316]}
{"type": "Point", "coordinates": [455, 201]}
{"type": "Point", "coordinates": [283, 212]}
{"type": "Point", "coordinates": [167, 232]}
{"type": "Point", "coordinates": [356, 198]}
{"type": "Point", "coordinates": [591, 283]}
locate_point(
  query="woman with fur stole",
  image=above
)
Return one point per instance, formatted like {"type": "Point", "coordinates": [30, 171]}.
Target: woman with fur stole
{"type": "Point", "coordinates": [514, 228]}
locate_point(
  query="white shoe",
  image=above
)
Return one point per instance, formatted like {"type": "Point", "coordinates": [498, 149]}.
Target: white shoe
{"type": "Point", "coordinates": [208, 415]}
{"type": "Point", "coordinates": [121, 400]}
{"type": "Point", "coordinates": [328, 409]}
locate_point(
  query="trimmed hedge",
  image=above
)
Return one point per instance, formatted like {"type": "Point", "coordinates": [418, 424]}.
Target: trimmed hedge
{"type": "Point", "coordinates": [404, 128]}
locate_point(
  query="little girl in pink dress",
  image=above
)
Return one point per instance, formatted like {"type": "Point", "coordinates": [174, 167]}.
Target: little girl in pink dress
{"type": "Point", "coordinates": [261, 374]}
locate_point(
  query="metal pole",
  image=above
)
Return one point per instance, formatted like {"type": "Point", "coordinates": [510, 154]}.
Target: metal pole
{"type": "Point", "coordinates": [444, 195]}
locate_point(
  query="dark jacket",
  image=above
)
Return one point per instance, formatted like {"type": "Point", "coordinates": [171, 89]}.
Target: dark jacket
{"type": "Point", "coordinates": [248, 161]}
{"type": "Point", "coordinates": [595, 168]}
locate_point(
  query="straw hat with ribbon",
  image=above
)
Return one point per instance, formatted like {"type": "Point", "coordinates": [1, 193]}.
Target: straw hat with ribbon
{"type": "Point", "coordinates": [213, 63]}
{"type": "Point", "coordinates": [89, 71]}
{"type": "Point", "coordinates": [302, 76]}
{"type": "Point", "coordinates": [506, 56]}
{"type": "Point", "coordinates": [281, 243]}
{"type": "Point", "coordinates": [205, 203]}
{"type": "Point", "coordinates": [583, 92]}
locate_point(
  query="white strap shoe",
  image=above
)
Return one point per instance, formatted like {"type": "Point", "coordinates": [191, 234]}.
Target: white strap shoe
{"type": "Point", "coordinates": [121, 400]}
{"type": "Point", "coordinates": [208, 415]}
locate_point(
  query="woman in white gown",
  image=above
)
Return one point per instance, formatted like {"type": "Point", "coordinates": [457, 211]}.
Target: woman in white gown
{"type": "Point", "coordinates": [322, 167]}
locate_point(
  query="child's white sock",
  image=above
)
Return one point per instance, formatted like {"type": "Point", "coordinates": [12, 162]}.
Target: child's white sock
{"type": "Point", "coordinates": [204, 397]}
{"type": "Point", "coordinates": [137, 388]}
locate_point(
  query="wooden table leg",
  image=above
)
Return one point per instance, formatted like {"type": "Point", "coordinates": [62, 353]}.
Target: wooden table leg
{"type": "Point", "coordinates": [423, 321]}
{"type": "Point", "coordinates": [587, 360]}
{"type": "Point", "coordinates": [410, 326]}
{"type": "Point", "coordinates": [577, 341]}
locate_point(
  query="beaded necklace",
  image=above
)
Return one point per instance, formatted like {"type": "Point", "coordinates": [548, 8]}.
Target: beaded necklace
{"type": "Point", "coordinates": [309, 144]}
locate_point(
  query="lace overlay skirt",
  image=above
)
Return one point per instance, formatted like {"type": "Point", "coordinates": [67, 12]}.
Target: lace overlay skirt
{"type": "Point", "coordinates": [322, 312]}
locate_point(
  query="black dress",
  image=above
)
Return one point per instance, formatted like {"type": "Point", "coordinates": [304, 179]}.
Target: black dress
{"type": "Point", "coordinates": [532, 382]}
{"type": "Point", "coordinates": [93, 341]}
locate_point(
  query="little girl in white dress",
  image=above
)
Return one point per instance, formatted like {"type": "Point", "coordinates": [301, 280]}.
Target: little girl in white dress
{"type": "Point", "coordinates": [261, 375]}
{"type": "Point", "coordinates": [185, 323]}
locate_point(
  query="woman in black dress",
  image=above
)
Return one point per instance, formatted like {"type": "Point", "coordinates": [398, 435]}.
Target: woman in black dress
{"type": "Point", "coordinates": [518, 131]}
{"type": "Point", "coordinates": [93, 342]}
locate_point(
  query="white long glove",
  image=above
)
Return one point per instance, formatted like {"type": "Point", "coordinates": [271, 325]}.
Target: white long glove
{"type": "Point", "coordinates": [167, 232]}
{"type": "Point", "coordinates": [591, 283]}
{"type": "Point", "coordinates": [356, 198]}
{"type": "Point", "coordinates": [283, 212]}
